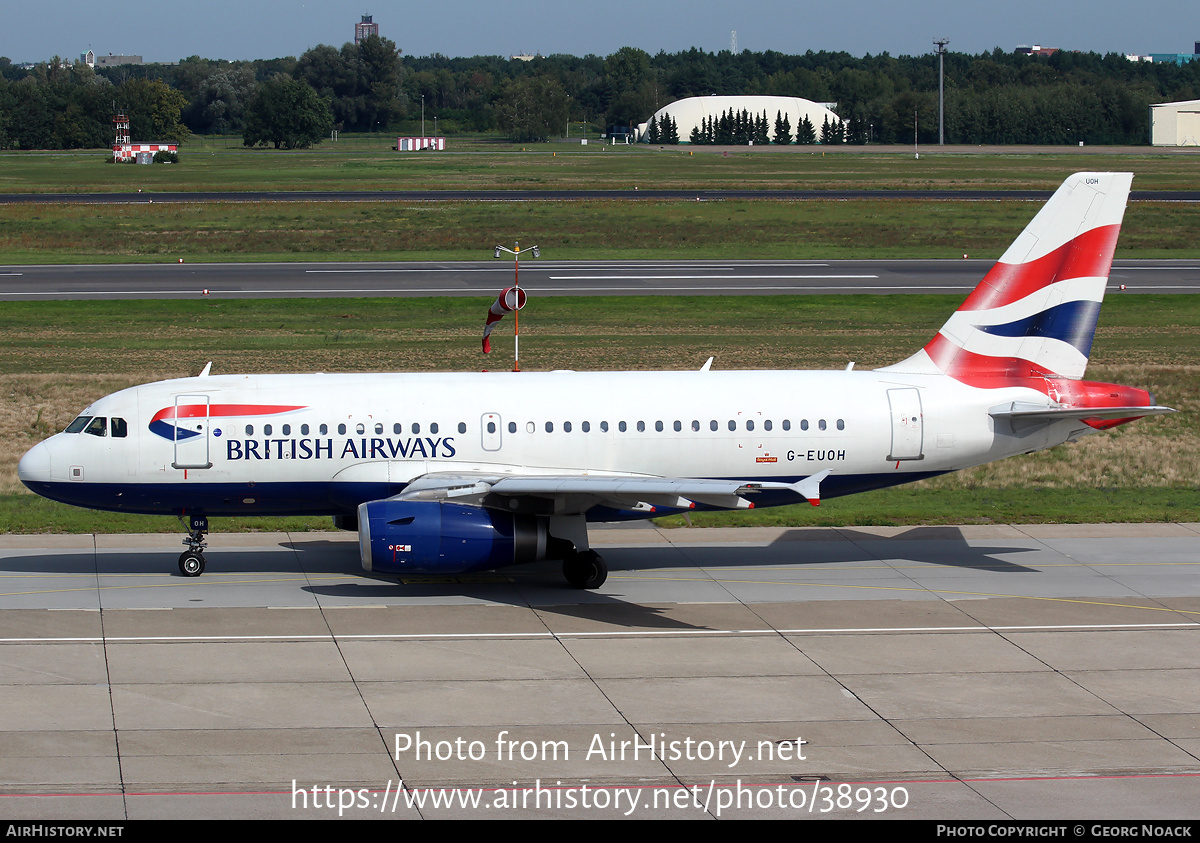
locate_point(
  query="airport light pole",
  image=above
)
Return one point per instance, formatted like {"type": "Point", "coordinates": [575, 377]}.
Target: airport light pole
{"type": "Point", "coordinates": [941, 51]}
{"type": "Point", "coordinates": [517, 295]}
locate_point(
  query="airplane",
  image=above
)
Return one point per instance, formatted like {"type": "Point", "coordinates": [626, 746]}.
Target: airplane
{"type": "Point", "coordinates": [457, 473]}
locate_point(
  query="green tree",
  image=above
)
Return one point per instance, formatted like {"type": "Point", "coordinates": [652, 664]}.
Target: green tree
{"type": "Point", "coordinates": [783, 129]}
{"type": "Point", "coordinates": [287, 113]}
{"type": "Point", "coordinates": [154, 110]}
{"type": "Point", "coordinates": [532, 109]}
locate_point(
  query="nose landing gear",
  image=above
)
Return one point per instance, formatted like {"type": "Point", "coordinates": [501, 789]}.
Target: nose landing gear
{"type": "Point", "coordinates": [191, 561]}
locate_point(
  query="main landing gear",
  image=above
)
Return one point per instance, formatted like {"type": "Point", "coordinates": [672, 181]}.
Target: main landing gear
{"type": "Point", "coordinates": [585, 569]}
{"type": "Point", "coordinates": [191, 561]}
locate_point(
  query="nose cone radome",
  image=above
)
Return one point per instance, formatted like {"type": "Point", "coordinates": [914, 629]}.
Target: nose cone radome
{"type": "Point", "coordinates": [34, 467]}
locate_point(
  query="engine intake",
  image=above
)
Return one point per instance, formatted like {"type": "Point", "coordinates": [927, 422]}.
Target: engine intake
{"type": "Point", "coordinates": [430, 537]}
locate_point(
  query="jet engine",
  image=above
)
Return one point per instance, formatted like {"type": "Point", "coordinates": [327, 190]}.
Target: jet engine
{"type": "Point", "coordinates": [431, 537]}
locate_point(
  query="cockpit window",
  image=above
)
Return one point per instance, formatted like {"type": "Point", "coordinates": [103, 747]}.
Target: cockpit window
{"type": "Point", "coordinates": [79, 424]}
{"type": "Point", "coordinates": [97, 427]}
{"type": "Point", "coordinates": [118, 428]}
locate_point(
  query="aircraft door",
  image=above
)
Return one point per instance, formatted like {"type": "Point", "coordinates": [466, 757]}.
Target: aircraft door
{"type": "Point", "coordinates": [191, 425]}
{"type": "Point", "coordinates": [908, 431]}
{"type": "Point", "coordinates": [490, 431]}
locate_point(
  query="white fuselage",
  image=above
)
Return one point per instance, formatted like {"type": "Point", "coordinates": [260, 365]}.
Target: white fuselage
{"type": "Point", "coordinates": [323, 443]}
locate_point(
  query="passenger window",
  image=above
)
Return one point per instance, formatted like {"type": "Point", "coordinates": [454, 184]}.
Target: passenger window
{"type": "Point", "coordinates": [695, 424]}
{"type": "Point", "coordinates": [804, 424]}
{"type": "Point", "coordinates": [821, 424]}
{"type": "Point", "coordinates": [641, 427]}
{"type": "Point", "coordinates": [512, 427]}
{"type": "Point", "coordinates": [433, 428]}
{"type": "Point", "coordinates": [787, 424]}
{"type": "Point", "coordinates": [712, 425]}
{"type": "Point", "coordinates": [249, 430]}
{"type": "Point", "coordinates": [604, 427]}
{"type": "Point", "coordinates": [678, 425]}
{"type": "Point", "coordinates": [566, 427]}
{"type": "Point", "coordinates": [378, 429]}
{"type": "Point", "coordinates": [732, 424]}
{"type": "Point", "coordinates": [360, 428]}
{"type": "Point", "coordinates": [549, 427]}
{"type": "Point", "coordinates": [119, 429]}
{"type": "Point", "coordinates": [304, 430]}
{"type": "Point", "coordinates": [491, 427]}
{"type": "Point", "coordinates": [398, 428]}
{"type": "Point", "coordinates": [841, 424]}
{"type": "Point", "coordinates": [767, 424]}
{"type": "Point", "coordinates": [79, 424]}
{"type": "Point", "coordinates": [658, 426]}
{"type": "Point", "coordinates": [324, 429]}
{"type": "Point", "coordinates": [462, 427]}
{"type": "Point", "coordinates": [621, 426]}
{"type": "Point", "coordinates": [749, 424]}
{"type": "Point", "coordinates": [287, 430]}
{"type": "Point", "coordinates": [416, 428]}
{"type": "Point", "coordinates": [267, 430]}
{"type": "Point", "coordinates": [341, 430]}
{"type": "Point", "coordinates": [97, 427]}
{"type": "Point", "coordinates": [586, 427]}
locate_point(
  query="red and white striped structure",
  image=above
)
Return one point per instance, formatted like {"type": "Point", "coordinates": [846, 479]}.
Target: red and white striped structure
{"type": "Point", "coordinates": [416, 144]}
{"type": "Point", "coordinates": [129, 151]}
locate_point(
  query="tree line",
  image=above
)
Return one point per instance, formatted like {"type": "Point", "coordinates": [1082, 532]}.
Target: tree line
{"type": "Point", "coordinates": [997, 97]}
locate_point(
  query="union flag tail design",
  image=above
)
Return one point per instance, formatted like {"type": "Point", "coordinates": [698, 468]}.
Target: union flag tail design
{"type": "Point", "coordinates": [1034, 314]}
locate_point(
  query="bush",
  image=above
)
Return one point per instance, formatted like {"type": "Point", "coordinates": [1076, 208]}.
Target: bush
{"type": "Point", "coordinates": [164, 156]}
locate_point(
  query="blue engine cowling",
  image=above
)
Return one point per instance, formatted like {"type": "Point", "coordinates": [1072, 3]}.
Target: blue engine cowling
{"type": "Point", "coordinates": [428, 537]}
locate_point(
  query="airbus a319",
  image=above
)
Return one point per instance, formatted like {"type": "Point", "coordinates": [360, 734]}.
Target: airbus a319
{"type": "Point", "coordinates": [454, 473]}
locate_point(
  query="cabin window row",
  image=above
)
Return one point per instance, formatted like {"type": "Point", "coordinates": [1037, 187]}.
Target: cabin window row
{"type": "Point", "coordinates": [361, 429]}
{"type": "Point", "coordinates": [696, 425]}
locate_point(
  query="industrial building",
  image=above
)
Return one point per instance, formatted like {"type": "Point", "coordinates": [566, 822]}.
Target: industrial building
{"type": "Point", "coordinates": [1175, 123]}
{"type": "Point", "coordinates": [692, 112]}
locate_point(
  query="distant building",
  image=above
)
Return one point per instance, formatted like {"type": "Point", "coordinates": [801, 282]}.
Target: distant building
{"type": "Point", "coordinates": [1036, 50]}
{"type": "Point", "coordinates": [110, 60]}
{"type": "Point", "coordinates": [690, 113]}
{"type": "Point", "coordinates": [365, 28]}
{"type": "Point", "coordinates": [523, 57]}
{"type": "Point", "coordinates": [1175, 123]}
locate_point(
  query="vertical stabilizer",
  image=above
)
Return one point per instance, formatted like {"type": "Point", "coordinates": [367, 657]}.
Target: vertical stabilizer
{"type": "Point", "coordinates": [1034, 314]}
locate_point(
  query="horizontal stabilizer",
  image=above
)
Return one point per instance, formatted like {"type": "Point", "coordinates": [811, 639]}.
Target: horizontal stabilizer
{"type": "Point", "coordinates": [1024, 414]}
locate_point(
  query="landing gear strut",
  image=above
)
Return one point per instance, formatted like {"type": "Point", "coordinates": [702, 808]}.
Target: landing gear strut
{"type": "Point", "coordinates": [191, 561]}
{"type": "Point", "coordinates": [585, 569]}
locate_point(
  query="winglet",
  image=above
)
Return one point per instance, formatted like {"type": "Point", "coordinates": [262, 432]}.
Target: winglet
{"type": "Point", "coordinates": [206, 370]}
{"type": "Point", "coordinates": [810, 487]}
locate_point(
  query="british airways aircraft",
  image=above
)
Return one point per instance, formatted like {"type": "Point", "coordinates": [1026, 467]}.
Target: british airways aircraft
{"type": "Point", "coordinates": [453, 473]}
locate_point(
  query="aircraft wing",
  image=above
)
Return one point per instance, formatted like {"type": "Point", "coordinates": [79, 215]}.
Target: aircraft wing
{"type": "Point", "coordinates": [569, 494]}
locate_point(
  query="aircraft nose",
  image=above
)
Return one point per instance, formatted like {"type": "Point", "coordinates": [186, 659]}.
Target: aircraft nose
{"type": "Point", "coordinates": [35, 465]}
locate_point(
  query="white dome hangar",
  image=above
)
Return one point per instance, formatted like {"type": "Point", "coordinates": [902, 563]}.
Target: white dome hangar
{"type": "Point", "coordinates": [691, 112]}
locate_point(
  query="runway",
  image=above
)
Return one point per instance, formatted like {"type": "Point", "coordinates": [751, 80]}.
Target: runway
{"type": "Point", "coordinates": [552, 278]}
{"type": "Point", "coordinates": [985, 673]}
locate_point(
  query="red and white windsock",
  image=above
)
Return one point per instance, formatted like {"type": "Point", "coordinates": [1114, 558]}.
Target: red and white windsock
{"type": "Point", "coordinates": [510, 299]}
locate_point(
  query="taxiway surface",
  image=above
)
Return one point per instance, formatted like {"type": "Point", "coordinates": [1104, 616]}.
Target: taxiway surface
{"type": "Point", "coordinates": [546, 278]}
{"type": "Point", "coordinates": [970, 673]}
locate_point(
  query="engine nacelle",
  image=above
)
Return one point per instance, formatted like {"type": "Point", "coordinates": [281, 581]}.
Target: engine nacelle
{"type": "Point", "coordinates": [429, 537]}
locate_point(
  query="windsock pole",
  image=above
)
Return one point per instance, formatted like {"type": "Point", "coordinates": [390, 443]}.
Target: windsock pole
{"type": "Point", "coordinates": [518, 301]}
{"type": "Point", "coordinates": [517, 312]}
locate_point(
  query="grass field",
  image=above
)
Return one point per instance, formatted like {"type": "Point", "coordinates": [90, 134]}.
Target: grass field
{"type": "Point", "coordinates": [564, 166]}
{"type": "Point", "coordinates": [58, 356]}
{"type": "Point", "coordinates": [282, 231]}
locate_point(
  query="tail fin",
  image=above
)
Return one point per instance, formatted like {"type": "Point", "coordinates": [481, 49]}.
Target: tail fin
{"type": "Point", "coordinates": [1034, 314]}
